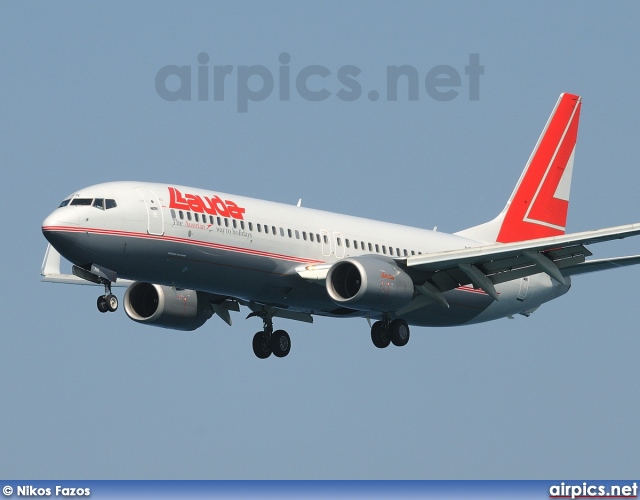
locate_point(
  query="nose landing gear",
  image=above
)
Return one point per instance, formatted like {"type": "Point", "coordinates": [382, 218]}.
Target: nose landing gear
{"type": "Point", "coordinates": [100, 276]}
{"type": "Point", "coordinates": [107, 302]}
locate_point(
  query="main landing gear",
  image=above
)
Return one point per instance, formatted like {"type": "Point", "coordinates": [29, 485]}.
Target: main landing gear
{"type": "Point", "coordinates": [386, 331]}
{"type": "Point", "coordinates": [267, 341]}
{"type": "Point", "coordinates": [107, 302]}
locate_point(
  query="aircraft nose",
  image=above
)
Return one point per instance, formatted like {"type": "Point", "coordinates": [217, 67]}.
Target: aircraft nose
{"type": "Point", "coordinates": [61, 228]}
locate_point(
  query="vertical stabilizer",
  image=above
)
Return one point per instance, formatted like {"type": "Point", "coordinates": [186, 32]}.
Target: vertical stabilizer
{"type": "Point", "coordinates": [538, 205]}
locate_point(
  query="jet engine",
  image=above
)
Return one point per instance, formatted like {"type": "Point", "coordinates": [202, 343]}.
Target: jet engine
{"type": "Point", "coordinates": [369, 284]}
{"type": "Point", "coordinates": [167, 307]}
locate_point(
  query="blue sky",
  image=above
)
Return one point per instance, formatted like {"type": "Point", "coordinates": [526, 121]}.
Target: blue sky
{"type": "Point", "coordinates": [97, 396]}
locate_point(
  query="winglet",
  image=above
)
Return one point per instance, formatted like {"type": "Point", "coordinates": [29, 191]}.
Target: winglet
{"type": "Point", "coordinates": [51, 262]}
{"type": "Point", "coordinates": [539, 203]}
{"type": "Point", "coordinates": [50, 271]}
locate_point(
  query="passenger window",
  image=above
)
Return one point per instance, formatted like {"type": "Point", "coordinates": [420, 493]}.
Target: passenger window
{"type": "Point", "coordinates": [405, 253]}
{"type": "Point", "coordinates": [377, 248]}
{"type": "Point", "coordinates": [326, 239]}
{"type": "Point", "coordinates": [250, 226]}
{"type": "Point", "coordinates": [188, 215]}
{"type": "Point", "coordinates": [195, 216]}
{"type": "Point", "coordinates": [242, 225]}
{"type": "Point", "coordinates": [413, 252]}
{"type": "Point", "coordinates": [355, 244]}
{"type": "Point", "coordinates": [311, 236]}
{"type": "Point", "coordinates": [211, 220]}
{"type": "Point", "coordinates": [281, 232]}
{"type": "Point", "coordinates": [339, 242]}
{"type": "Point", "coordinates": [173, 213]}
{"type": "Point", "coordinates": [226, 222]}
{"type": "Point", "coordinates": [273, 230]}
{"type": "Point", "coordinates": [370, 247]}
{"type": "Point", "coordinates": [384, 249]}
{"type": "Point", "coordinates": [297, 235]}
{"type": "Point", "coordinates": [289, 232]}
{"type": "Point", "coordinates": [304, 235]}
{"type": "Point", "coordinates": [181, 213]}
{"type": "Point", "coordinates": [346, 243]}
{"type": "Point", "coordinates": [266, 229]}
{"type": "Point", "coordinates": [235, 224]}
{"type": "Point", "coordinates": [259, 227]}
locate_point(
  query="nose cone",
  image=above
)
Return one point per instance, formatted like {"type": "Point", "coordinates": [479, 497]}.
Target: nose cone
{"type": "Point", "coordinates": [61, 228]}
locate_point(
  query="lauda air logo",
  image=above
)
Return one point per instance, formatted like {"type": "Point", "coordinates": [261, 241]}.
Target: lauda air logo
{"type": "Point", "coordinates": [387, 276]}
{"type": "Point", "coordinates": [204, 204]}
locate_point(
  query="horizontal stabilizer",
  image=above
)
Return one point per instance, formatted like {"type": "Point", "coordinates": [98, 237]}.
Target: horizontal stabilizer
{"type": "Point", "coordinates": [592, 266]}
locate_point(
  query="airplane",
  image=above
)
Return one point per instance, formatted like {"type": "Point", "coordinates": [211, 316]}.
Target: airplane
{"type": "Point", "coordinates": [185, 254]}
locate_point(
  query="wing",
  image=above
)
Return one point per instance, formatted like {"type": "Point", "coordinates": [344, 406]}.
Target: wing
{"type": "Point", "coordinates": [487, 265]}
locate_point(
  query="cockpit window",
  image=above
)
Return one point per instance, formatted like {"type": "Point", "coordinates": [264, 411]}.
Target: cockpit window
{"type": "Point", "coordinates": [101, 203]}
{"type": "Point", "coordinates": [82, 201]}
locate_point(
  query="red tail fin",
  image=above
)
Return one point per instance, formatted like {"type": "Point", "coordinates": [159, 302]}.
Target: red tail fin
{"type": "Point", "coordinates": [538, 205]}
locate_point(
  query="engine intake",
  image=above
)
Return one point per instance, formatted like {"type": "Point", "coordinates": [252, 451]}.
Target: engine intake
{"type": "Point", "coordinates": [166, 307]}
{"type": "Point", "coordinates": [369, 284]}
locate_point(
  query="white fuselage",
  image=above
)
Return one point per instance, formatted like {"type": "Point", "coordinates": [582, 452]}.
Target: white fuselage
{"type": "Point", "coordinates": [252, 250]}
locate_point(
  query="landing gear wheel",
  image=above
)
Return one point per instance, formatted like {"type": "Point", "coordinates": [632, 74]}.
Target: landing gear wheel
{"type": "Point", "coordinates": [399, 332]}
{"type": "Point", "coordinates": [112, 303]}
{"type": "Point", "coordinates": [280, 343]}
{"type": "Point", "coordinates": [261, 347]}
{"type": "Point", "coordinates": [379, 335]}
{"type": "Point", "coordinates": [102, 304]}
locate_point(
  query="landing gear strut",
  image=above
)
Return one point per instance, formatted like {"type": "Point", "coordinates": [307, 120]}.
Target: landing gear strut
{"type": "Point", "coordinates": [267, 341]}
{"type": "Point", "coordinates": [107, 302]}
{"type": "Point", "coordinates": [386, 331]}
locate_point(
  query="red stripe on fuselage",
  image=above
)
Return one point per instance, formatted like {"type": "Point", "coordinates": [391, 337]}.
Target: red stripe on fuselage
{"type": "Point", "coordinates": [471, 289]}
{"type": "Point", "coordinates": [188, 241]}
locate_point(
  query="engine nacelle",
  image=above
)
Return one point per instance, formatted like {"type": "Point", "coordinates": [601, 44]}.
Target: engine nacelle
{"type": "Point", "coordinates": [369, 284]}
{"type": "Point", "coordinates": [163, 306]}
